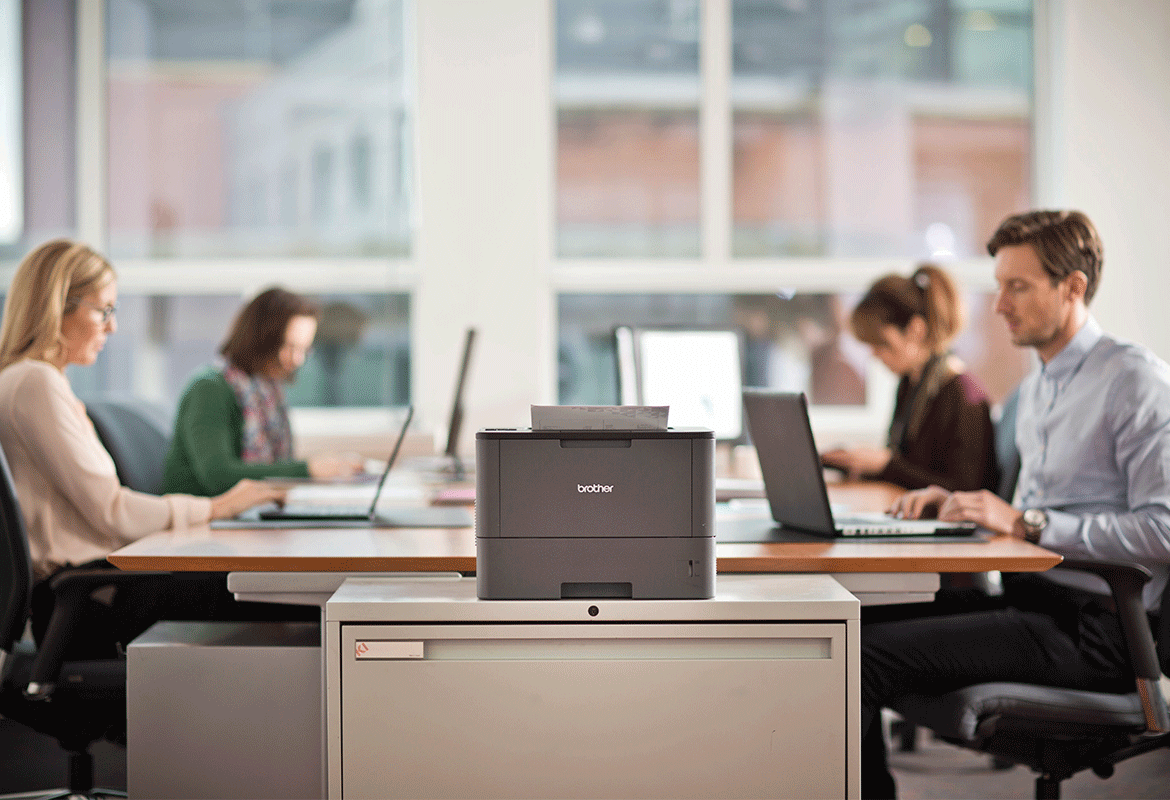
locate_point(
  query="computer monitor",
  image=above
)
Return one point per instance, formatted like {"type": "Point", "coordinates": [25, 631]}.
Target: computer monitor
{"type": "Point", "coordinates": [697, 371]}
{"type": "Point", "coordinates": [455, 423]}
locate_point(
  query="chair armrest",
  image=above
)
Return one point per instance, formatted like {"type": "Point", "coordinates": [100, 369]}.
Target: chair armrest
{"type": "Point", "coordinates": [1125, 582]}
{"type": "Point", "coordinates": [70, 590]}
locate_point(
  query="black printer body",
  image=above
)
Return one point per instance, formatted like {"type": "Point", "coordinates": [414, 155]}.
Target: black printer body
{"type": "Point", "coordinates": [595, 514]}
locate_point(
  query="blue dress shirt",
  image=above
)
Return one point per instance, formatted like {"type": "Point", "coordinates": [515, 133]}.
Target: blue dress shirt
{"type": "Point", "coordinates": [1093, 431]}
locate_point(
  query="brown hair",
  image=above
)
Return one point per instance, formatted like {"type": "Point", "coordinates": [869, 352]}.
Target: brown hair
{"type": "Point", "coordinates": [1064, 241]}
{"type": "Point", "coordinates": [257, 334]}
{"type": "Point", "coordinates": [929, 293]}
{"type": "Point", "coordinates": [48, 285]}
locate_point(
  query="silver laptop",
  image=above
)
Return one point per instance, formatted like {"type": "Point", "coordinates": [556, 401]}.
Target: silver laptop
{"type": "Point", "coordinates": [794, 480]}
{"type": "Point", "coordinates": [312, 515]}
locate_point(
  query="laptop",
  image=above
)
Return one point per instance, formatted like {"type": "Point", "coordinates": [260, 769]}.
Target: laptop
{"type": "Point", "coordinates": [794, 481]}
{"type": "Point", "coordinates": [349, 515]}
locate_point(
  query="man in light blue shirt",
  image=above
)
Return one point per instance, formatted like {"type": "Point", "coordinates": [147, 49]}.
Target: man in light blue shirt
{"type": "Point", "coordinates": [1093, 431]}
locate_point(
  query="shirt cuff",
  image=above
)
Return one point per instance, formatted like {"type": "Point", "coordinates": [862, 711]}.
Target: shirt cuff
{"type": "Point", "coordinates": [189, 512]}
{"type": "Point", "coordinates": [1062, 530]}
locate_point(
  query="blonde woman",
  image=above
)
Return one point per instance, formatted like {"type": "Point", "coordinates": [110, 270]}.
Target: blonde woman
{"type": "Point", "coordinates": [61, 307]}
{"type": "Point", "coordinates": [941, 432]}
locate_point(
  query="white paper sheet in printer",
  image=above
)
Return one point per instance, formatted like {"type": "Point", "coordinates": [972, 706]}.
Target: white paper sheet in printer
{"type": "Point", "coordinates": [595, 513]}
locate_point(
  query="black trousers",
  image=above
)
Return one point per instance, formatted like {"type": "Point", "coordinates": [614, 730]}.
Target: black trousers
{"type": "Point", "coordinates": [113, 619]}
{"type": "Point", "coordinates": [1036, 632]}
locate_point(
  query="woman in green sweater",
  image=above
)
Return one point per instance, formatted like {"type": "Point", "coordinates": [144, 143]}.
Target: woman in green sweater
{"type": "Point", "coordinates": [232, 421]}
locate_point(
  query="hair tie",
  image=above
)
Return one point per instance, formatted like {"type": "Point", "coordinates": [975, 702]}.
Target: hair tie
{"type": "Point", "coordinates": [922, 280]}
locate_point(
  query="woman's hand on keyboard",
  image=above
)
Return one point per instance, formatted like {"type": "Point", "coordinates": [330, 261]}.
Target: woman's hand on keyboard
{"type": "Point", "coordinates": [244, 495]}
{"type": "Point", "coordinates": [331, 465]}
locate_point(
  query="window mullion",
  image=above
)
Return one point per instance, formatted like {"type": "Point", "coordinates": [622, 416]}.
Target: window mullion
{"type": "Point", "coordinates": [715, 142]}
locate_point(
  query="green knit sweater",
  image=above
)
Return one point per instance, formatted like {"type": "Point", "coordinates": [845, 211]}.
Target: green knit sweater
{"type": "Point", "coordinates": [204, 458]}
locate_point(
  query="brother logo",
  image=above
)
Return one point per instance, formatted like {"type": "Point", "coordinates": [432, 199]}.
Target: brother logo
{"type": "Point", "coordinates": [595, 487]}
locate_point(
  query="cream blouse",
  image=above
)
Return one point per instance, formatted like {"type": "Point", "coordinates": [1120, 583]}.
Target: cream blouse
{"type": "Point", "coordinates": [74, 507]}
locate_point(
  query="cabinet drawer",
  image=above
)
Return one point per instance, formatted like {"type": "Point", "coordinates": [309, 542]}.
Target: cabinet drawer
{"type": "Point", "coordinates": [622, 710]}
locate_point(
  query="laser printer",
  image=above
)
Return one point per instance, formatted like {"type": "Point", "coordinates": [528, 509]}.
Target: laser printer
{"type": "Point", "coordinates": [595, 514]}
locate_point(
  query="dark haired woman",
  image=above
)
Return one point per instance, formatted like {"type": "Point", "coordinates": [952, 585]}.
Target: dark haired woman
{"type": "Point", "coordinates": [232, 421]}
{"type": "Point", "coordinates": [941, 432]}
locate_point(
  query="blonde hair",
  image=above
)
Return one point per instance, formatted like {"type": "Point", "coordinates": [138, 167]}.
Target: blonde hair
{"type": "Point", "coordinates": [48, 285]}
{"type": "Point", "coordinates": [929, 293]}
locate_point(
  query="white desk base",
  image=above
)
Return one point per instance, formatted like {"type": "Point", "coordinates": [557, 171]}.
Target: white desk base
{"type": "Point", "coordinates": [885, 588]}
{"type": "Point", "coordinates": [224, 710]}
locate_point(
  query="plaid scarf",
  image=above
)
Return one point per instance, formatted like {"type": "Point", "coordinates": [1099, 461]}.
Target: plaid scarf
{"type": "Point", "coordinates": [267, 436]}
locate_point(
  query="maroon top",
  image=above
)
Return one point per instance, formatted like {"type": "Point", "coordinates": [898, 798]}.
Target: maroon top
{"type": "Point", "coordinates": [955, 445]}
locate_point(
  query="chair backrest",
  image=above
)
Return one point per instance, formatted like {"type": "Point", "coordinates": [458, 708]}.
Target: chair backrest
{"type": "Point", "coordinates": [136, 436]}
{"type": "Point", "coordinates": [1006, 454]}
{"type": "Point", "coordinates": [15, 563]}
{"type": "Point", "coordinates": [1162, 632]}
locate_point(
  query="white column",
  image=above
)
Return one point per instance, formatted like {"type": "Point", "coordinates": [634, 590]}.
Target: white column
{"type": "Point", "coordinates": [483, 244]}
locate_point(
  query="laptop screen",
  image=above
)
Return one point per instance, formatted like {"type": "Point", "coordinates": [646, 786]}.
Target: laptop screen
{"type": "Point", "coordinates": [789, 462]}
{"type": "Point", "coordinates": [390, 461]}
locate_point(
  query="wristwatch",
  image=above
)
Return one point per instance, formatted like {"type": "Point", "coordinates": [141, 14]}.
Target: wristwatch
{"type": "Point", "coordinates": [1035, 520]}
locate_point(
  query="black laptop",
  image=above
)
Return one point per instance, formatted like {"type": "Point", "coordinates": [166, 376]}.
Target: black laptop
{"type": "Point", "coordinates": [794, 481]}
{"type": "Point", "coordinates": [351, 516]}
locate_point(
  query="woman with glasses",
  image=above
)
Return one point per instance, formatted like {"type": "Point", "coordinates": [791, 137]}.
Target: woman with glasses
{"type": "Point", "coordinates": [59, 311]}
{"type": "Point", "coordinates": [232, 422]}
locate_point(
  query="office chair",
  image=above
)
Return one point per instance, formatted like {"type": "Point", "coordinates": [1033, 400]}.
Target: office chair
{"type": "Point", "coordinates": [1060, 732]}
{"type": "Point", "coordinates": [75, 702]}
{"type": "Point", "coordinates": [136, 436]}
{"type": "Point", "coordinates": [1006, 454]}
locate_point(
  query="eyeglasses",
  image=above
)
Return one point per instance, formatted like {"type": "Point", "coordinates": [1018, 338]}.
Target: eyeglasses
{"type": "Point", "coordinates": [106, 311]}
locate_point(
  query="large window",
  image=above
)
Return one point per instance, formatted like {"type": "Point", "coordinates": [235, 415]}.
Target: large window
{"type": "Point", "coordinates": [540, 170]}
{"type": "Point", "coordinates": [627, 98]}
{"type": "Point", "coordinates": [247, 144]}
{"type": "Point", "coordinates": [862, 136]}
{"type": "Point", "coordinates": [879, 128]}
{"type": "Point", "coordinates": [268, 128]}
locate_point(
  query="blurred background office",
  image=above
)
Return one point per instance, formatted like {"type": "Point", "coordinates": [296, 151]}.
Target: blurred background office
{"type": "Point", "coordinates": [544, 170]}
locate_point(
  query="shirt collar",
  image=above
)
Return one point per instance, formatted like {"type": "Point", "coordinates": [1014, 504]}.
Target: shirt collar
{"type": "Point", "coordinates": [1066, 362]}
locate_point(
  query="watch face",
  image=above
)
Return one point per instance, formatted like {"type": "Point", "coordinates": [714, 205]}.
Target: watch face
{"type": "Point", "coordinates": [1035, 518]}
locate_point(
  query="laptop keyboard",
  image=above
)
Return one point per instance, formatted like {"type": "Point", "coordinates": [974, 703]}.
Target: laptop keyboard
{"type": "Point", "coordinates": [881, 525]}
{"type": "Point", "coordinates": [317, 511]}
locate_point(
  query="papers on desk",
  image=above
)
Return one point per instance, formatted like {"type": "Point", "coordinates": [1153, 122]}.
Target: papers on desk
{"type": "Point", "coordinates": [736, 488]}
{"type": "Point", "coordinates": [596, 418]}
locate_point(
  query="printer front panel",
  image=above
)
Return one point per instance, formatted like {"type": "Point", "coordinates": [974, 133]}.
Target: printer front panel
{"type": "Point", "coordinates": [596, 488]}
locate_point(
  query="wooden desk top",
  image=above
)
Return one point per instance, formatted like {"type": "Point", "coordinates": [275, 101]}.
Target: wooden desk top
{"type": "Point", "coordinates": [453, 549]}
{"type": "Point", "coordinates": [428, 550]}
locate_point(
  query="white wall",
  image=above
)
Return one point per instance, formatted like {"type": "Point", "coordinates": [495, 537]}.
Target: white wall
{"type": "Point", "coordinates": [1108, 151]}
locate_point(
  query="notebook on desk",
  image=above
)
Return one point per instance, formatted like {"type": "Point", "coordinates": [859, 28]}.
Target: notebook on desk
{"type": "Point", "coordinates": [794, 481]}
{"type": "Point", "coordinates": [356, 516]}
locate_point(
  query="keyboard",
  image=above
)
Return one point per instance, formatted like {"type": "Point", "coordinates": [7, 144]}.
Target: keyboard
{"type": "Point", "coordinates": [313, 511]}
